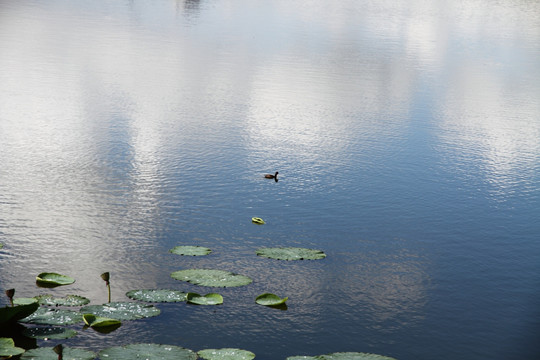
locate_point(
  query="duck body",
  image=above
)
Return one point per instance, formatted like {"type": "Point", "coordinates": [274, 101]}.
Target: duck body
{"type": "Point", "coordinates": [270, 176]}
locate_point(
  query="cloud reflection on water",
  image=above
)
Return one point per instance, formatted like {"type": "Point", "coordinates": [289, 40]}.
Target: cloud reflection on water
{"type": "Point", "coordinates": [119, 121]}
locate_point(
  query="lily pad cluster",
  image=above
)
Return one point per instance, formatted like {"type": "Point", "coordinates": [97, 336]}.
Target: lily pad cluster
{"type": "Point", "coordinates": [51, 316]}
{"type": "Point", "coordinates": [28, 310]}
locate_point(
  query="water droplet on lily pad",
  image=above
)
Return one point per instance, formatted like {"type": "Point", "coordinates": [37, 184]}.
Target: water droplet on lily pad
{"type": "Point", "coordinates": [157, 295]}
{"type": "Point", "coordinates": [208, 299]}
{"type": "Point", "coordinates": [54, 333]}
{"type": "Point", "coordinates": [45, 316]}
{"type": "Point", "coordinates": [48, 353]}
{"type": "Point", "coordinates": [226, 354]}
{"type": "Point", "coordinates": [147, 352]}
{"type": "Point", "coordinates": [291, 253]}
{"type": "Point", "coordinates": [213, 278]}
{"type": "Point", "coordinates": [122, 310]}
{"type": "Point", "coordinates": [68, 300]}
{"type": "Point", "coordinates": [188, 250]}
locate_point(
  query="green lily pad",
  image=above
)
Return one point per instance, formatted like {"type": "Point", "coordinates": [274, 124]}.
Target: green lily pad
{"type": "Point", "coordinates": [99, 321]}
{"type": "Point", "coordinates": [47, 279]}
{"type": "Point", "coordinates": [8, 348]}
{"type": "Point", "coordinates": [291, 253]}
{"type": "Point", "coordinates": [157, 295]}
{"type": "Point", "coordinates": [213, 278]}
{"type": "Point", "coordinates": [208, 299]}
{"type": "Point", "coordinates": [45, 316]}
{"type": "Point", "coordinates": [54, 333]}
{"type": "Point", "coordinates": [226, 354]}
{"type": "Point", "coordinates": [190, 250]}
{"type": "Point", "coordinates": [24, 301]}
{"type": "Point", "coordinates": [68, 300]}
{"type": "Point", "coordinates": [122, 310]}
{"type": "Point", "coordinates": [22, 308]}
{"type": "Point", "coordinates": [47, 353]}
{"type": "Point", "coordinates": [268, 299]}
{"type": "Point", "coordinates": [148, 352]}
{"type": "Point", "coordinates": [353, 356]}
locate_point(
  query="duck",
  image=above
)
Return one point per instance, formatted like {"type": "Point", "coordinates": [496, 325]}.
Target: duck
{"type": "Point", "coordinates": [270, 176]}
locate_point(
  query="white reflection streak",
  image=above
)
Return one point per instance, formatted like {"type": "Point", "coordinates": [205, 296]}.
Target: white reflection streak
{"type": "Point", "coordinates": [482, 113]}
{"type": "Point", "coordinates": [58, 185]}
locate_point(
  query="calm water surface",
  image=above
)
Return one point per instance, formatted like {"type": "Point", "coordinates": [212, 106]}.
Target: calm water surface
{"type": "Point", "coordinates": [406, 134]}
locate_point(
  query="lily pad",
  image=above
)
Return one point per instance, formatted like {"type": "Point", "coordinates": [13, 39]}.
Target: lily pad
{"type": "Point", "coordinates": [157, 295]}
{"type": "Point", "coordinates": [8, 348]}
{"type": "Point", "coordinates": [208, 299]}
{"type": "Point", "coordinates": [99, 321]}
{"type": "Point", "coordinates": [45, 316]}
{"type": "Point", "coordinates": [213, 278]}
{"type": "Point", "coordinates": [190, 250]}
{"type": "Point", "coordinates": [353, 356]}
{"type": "Point", "coordinates": [68, 300]}
{"type": "Point", "coordinates": [24, 301]}
{"type": "Point", "coordinates": [226, 354]}
{"type": "Point", "coordinates": [54, 333]}
{"type": "Point", "coordinates": [268, 299]}
{"type": "Point", "coordinates": [22, 308]}
{"type": "Point", "coordinates": [122, 310]}
{"type": "Point", "coordinates": [47, 353]}
{"type": "Point", "coordinates": [48, 279]}
{"type": "Point", "coordinates": [291, 253]}
{"type": "Point", "coordinates": [148, 352]}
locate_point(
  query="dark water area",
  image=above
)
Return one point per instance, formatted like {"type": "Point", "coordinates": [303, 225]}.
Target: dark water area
{"type": "Point", "coordinates": [406, 136]}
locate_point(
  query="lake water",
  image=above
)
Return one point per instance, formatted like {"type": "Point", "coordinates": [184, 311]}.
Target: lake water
{"type": "Point", "coordinates": [406, 135]}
